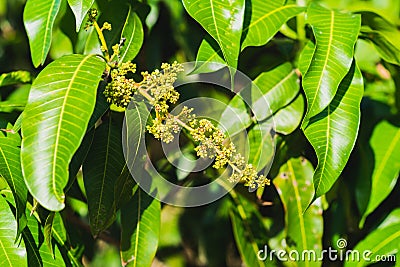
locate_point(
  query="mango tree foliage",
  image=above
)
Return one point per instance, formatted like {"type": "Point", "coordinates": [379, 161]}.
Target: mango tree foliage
{"type": "Point", "coordinates": [304, 151]}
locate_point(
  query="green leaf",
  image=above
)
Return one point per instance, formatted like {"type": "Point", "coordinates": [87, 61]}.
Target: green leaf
{"type": "Point", "coordinates": [11, 253]}
{"type": "Point", "coordinates": [15, 77]}
{"type": "Point", "coordinates": [335, 34]}
{"type": "Point", "coordinates": [125, 188]}
{"type": "Point", "coordinates": [235, 117]}
{"type": "Point", "coordinates": [386, 50]}
{"type": "Point", "coordinates": [80, 8]}
{"type": "Point", "coordinates": [140, 228]}
{"type": "Point", "coordinates": [379, 24]}
{"type": "Point", "coordinates": [10, 169]}
{"type": "Point", "coordinates": [133, 32]}
{"type": "Point", "coordinates": [289, 118]}
{"type": "Point", "coordinates": [39, 17]}
{"type": "Point", "coordinates": [267, 17]}
{"type": "Point", "coordinates": [261, 145]}
{"type": "Point", "coordinates": [208, 59]}
{"type": "Point", "coordinates": [248, 229]}
{"type": "Point", "coordinates": [38, 252]}
{"type": "Point", "coordinates": [61, 45]}
{"type": "Point", "coordinates": [47, 231]}
{"type": "Point", "coordinates": [385, 143]}
{"type": "Point", "coordinates": [303, 226]}
{"type": "Point", "coordinates": [333, 132]}
{"type": "Point", "coordinates": [278, 88]}
{"type": "Point", "coordinates": [306, 57]}
{"type": "Point", "coordinates": [223, 20]}
{"type": "Point", "coordinates": [103, 166]}
{"type": "Point", "coordinates": [384, 240]}
{"type": "Point", "coordinates": [61, 100]}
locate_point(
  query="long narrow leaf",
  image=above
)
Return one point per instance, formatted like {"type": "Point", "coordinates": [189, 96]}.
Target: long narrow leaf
{"type": "Point", "coordinates": [60, 104]}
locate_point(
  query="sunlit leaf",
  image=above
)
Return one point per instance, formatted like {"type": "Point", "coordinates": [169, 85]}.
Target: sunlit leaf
{"type": "Point", "coordinates": [133, 34]}
{"type": "Point", "coordinates": [223, 20]}
{"type": "Point", "coordinates": [249, 231]}
{"type": "Point", "coordinates": [335, 34]}
{"type": "Point", "coordinates": [80, 8]}
{"type": "Point", "coordinates": [61, 101]}
{"type": "Point", "coordinates": [235, 117]}
{"type": "Point", "coordinates": [15, 77]}
{"type": "Point", "coordinates": [303, 226]}
{"type": "Point", "coordinates": [266, 19]}
{"type": "Point", "coordinates": [11, 253]}
{"type": "Point", "coordinates": [39, 17]}
{"type": "Point", "coordinates": [278, 88]}
{"type": "Point", "coordinates": [208, 59]}
{"type": "Point", "coordinates": [140, 223]}
{"type": "Point", "coordinates": [385, 143]}
{"type": "Point", "coordinates": [333, 132]}
{"type": "Point", "coordinates": [261, 145]}
{"type": "Point", "coordinates": [289, 118]}
{"type": "Point", "coordinates": [10, 169]}
{"type": "Point", "coordinates": [381, 242]}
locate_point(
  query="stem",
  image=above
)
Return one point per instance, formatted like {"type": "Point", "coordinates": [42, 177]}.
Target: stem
{"type": "Point", "coordinates": [146, 95]}
{"type": "Point", "coordinates": [102, 40]}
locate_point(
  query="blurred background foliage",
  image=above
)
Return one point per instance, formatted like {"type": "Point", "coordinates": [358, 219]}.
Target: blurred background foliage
{"type": "Point", "coordinates": [202, 236]}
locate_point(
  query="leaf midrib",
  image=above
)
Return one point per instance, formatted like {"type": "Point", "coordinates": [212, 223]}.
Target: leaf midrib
{"type": "Point", "coordinates": [5, 253]}
{"type": "Point", "coordinates": [137, 229]}
{"type": "Point", "coordinates": [53, 178]}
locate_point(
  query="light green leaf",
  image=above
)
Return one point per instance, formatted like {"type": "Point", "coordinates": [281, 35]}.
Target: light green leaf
{"type": "Point", "coordinates": [382, 241]}
{"type": "Point", "coordinates": [386, 50]}
{"type": "Point", "coordinates": [261, 145]}
{"type": "Point", "coordinates": [133, 34]}
{"type": "Point", "coordinates": [235, 117]}
{"type": "Point", "coordinates": [140, 223]}
{"type": "Point", "coordinates": [223, 20]}
{"type": "Point", "coordinates": [61, 101]}
{"type": "Point", "coordinates": [208, 59]}
{"type": "Point", "coordinates": [103, 166]}
{"type": "Point", "coordinates": [379, 24]}
{"type": "Point", "coordinates": [306, 57]}
{"type": "Point", "coordinates": [248, 229]}
{"type": "Point", "coordinates": [61, 45]}
{"type": "Point", "coordinates": [10, 169]}
{"type": "Point", "coordinates": [15, 77]}
{"type": "Point", "coordinates": [278, 88]}
{"type": "Point", "coordinates": [39, 17]}
{"type": "Point", "coordinates": [11, 253]}
{"type": "Point", "coordinates": [303, 226]}
{"type": "Point", "coordinates": [385, 143]}
{"type": "Point", "coordinates": [267, 17]}
{"type": "Point", "coordinates": [335, 34]}
{"type": "Point", "coordinates": [289, 118]}
{"type": "Point", "coordinates": [333, 132]}
{"type": "Point", "coordinates": [80, 8]}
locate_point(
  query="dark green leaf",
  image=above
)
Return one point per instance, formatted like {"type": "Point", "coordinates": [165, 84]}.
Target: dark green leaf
{"type": "Point", "coordinates": [61, 100]}
{"type": "Point", "coordinates": [289, 118]}
{"type": "Point", "coordinates": [103, 166]}
{"type": "Point", "coordinates": [140, 223]}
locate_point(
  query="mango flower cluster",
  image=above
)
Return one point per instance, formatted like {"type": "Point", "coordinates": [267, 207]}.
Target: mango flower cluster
{"type": "Point", "coordinates": [157, 87]}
